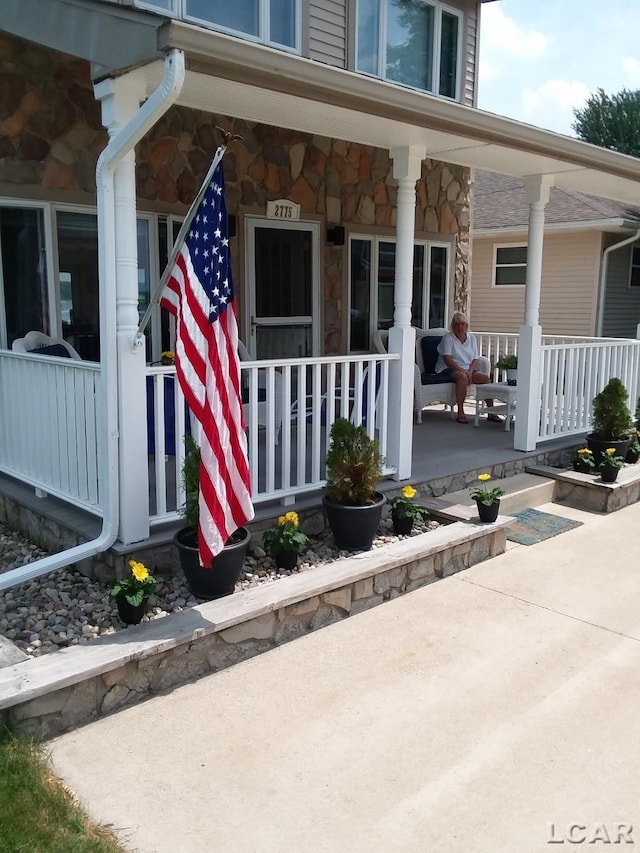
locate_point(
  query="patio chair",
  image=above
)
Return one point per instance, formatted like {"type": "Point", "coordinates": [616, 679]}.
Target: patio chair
{"type": "Point", "coordinates": [427, 386]}
{"type": "Point", "coordinates": [263, 412]}
{"type": "Point", "coordinates": [41, 344]}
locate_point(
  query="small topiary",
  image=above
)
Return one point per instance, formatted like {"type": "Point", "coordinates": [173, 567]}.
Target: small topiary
{"type": "Point", "coordinates": [354, 465]}
{"type": "Point", "coordinates": [611, 416]}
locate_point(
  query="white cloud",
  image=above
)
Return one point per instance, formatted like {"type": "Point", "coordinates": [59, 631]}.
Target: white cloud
{"type": "Point", "coordinates": [551, 104]}
{"type": "Point", "coordinates": [632, 71]}
{"type": "Point", "coordinates": [502, 34]}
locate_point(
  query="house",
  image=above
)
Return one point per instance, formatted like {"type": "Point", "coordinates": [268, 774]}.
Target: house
{"type": "Point", "coordinates": [352, 172]}
{"type": "Point", "coordinates": [590, 264]}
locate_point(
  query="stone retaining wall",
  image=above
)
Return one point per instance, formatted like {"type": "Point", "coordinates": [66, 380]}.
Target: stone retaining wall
{"type": "Point", "coordinates": [49, 695]}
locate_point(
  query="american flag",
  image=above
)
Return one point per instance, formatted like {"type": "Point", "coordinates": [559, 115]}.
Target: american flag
{"type": "Point", "coordinates": [200, 294]}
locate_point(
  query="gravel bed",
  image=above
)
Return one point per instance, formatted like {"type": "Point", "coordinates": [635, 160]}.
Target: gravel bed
{"type": "Point", "coordinates": [65, 608]}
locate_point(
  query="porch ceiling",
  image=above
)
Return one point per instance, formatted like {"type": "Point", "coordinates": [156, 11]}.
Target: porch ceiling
{"type": "Point", "coordinates": [236, 78]}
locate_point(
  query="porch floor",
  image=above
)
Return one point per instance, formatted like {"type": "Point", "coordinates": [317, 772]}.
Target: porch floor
{"type": "Point", "coordinates": [442, 448]}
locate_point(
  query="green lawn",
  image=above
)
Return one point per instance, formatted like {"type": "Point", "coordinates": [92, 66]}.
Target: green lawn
{"type": "Point", "coordinates": [37, 814]}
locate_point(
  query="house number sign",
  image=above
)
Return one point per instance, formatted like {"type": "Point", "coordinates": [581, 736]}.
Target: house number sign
{"type": "Point", "coordinates": [283, 209]}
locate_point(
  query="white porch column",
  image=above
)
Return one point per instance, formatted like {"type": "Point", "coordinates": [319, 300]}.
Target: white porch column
{"type": "Point", "coordinates": [407, 165]}
{"type": "Point", "coordinates": [530, 333]}
{"type": "Point", "coordinates": [120, 99]}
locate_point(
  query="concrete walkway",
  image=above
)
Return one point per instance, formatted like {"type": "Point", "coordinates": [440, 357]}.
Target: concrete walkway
{"type": "Point", "coordinates": [496, 710]}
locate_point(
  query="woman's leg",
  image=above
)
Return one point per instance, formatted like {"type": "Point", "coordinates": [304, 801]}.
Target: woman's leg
{"type": "Point", "coordinates": [462, 386]}
{"type": "Point", "coordinates": [483, 379]}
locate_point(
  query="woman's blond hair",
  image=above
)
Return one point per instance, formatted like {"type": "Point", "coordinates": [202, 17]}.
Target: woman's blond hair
{"type": "Point", "coordinates": [459, 317]}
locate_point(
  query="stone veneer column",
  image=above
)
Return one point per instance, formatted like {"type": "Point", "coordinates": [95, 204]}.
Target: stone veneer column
{"type": "Point", "coordinates": [120, 100]}
{"type": "Point", "coordinates": [530, 333]}
{"type": "Point", "coordinates": [407, 165]}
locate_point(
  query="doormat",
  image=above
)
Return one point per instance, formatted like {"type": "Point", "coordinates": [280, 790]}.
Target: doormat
{"type": "Point", "coordinates": [533, 526]}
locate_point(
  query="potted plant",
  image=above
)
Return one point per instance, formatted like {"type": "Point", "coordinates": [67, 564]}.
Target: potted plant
{"type": "Point", "coordinates": [354, 468]}
{"type": "Point", "coordinates": [284, 540]}
{"type": "Point", "coordinates": [218, 579]}
{"type": "Point", "coordinates": [132, 593]}
{"type": "Point", "coordinates": [633, 453]}
{"type": "Point", "coordinates": [612, 421]}
{"type": "Point", "coordinates": [404, 511]}
{"type": "Point", "coordinates": [509, 363]}
{"type": "Point", "coordinates": [583, 461]}
{"type": "Point", "coordinates": [487, 499]}
{"type": "Point", "coordinates": [610, 465]}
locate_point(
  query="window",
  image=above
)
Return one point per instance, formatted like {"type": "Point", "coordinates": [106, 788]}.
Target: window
{"type": "Point", "coordinates": [411, 42]}
{"type": "Point", "coordinates": [510, 265]}
{"type": "Point", "coordinates": [274, 22]}
{"type": "Point", "coordinates": [35, 294]}
{"type": "Point", "coordinates": [634, 277]}
{"type": "Point", "coordinates": [372, 269]}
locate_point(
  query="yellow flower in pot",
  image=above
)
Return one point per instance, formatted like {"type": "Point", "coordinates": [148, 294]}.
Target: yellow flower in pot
{"type": "Point", "coordinates": [404, 511]}
{"type": "Point", "coordinates": [132, 593]}
{"type": "Point", "coordinates": [487, 498]}
{"type": "Point", "coordinates": [284, 540]}
{"type": "Point", "coordinates": [610, 465]}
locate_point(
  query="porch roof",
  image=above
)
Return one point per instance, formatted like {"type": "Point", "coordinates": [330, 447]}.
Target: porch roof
{"type": "Point", "coordinates": [231, 76]}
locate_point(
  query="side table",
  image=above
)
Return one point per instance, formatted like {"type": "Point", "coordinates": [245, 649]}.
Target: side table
{"type": "Point", "coordinates": [497, 391]}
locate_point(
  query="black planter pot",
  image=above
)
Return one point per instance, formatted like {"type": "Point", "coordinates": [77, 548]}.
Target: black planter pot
{"type": "Point", "coordinates": [286, 560]}
{"type": "Point", "coordinates": [488, 513]}
{"type": "Point", "coordinates": [401, 526]}
{"type": "Point", "coordinates": [632, 456]}
{"type": "Point", "coordinates": [131, 614]}
{"type": "Point", "coordinates": [354, 527]}
{"type": "Point", "coordinates": [598, 446]}
{"type": "Point", "coordinates": [581, 468]}
{"type": "Point", "coordinates": [226, 567]}
{"type": "Point", "coordinates": [609, 474]}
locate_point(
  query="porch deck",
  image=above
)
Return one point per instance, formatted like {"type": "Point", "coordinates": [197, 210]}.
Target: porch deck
{"type": "Point", "coordinates": [445, 453]}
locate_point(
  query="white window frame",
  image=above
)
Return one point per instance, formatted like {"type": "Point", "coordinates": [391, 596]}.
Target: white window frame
{"type": "Point", "coordinates": [375, 240]}
{"type": "Point", "coordinates": [635, 247]}
{"type": "Point", "coordinates": [494, 264]}
{"type": "Point", "coordinates": [50, 211]}
{"type": "Point", "coordinates": [264, 18]}
{"type": "Point", "coordinates": [437, 39]}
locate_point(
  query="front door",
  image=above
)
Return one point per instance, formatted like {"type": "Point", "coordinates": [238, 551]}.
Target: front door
{"type": "Point", "coordinates": [283, 288]}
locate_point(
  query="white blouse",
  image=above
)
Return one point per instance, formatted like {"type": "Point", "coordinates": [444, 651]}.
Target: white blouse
{"type": "Point", "coordinates": [462, 353]}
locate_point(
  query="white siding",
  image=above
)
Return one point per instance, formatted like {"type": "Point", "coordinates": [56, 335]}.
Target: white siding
{"type": "Point", "coordinates": [568, 301]}
{"type": "Point", "coordinates": [328, 32]}
{"type": "Point", "coordinates": [470, 55]}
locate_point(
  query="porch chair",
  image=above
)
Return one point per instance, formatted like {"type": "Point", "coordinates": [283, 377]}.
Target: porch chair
{"type": "Point", "coordinates": [41, 344]}
{"type": "Point", "coordinates": [427, 386]}
{"type": "Point", "coordinates": [243, 354]}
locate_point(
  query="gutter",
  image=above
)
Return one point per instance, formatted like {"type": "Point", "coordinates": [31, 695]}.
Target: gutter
{"type": "Point", "coordinates": [119, 145]}
{"type": "Point", "coordinates": [603, 276]}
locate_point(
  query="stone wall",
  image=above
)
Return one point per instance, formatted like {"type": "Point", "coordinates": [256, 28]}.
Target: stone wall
{"type": "Point", "coordinates": [196, 643]}
{"type": "Point", "coordinates": [51, 136]}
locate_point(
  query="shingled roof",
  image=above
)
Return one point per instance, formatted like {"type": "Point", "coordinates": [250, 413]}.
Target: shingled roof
{"type": "Point", "coordinates": [500, 202]}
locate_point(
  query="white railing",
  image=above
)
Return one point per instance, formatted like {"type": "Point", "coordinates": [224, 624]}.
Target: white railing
{"type": "Point", "coordinates": [574, 371]}
{"type": "Point", "coordinates": [289, 406]}
{"type": "Point", "coordinates": [495, 344]}
{"type": "Point", "coordinates": [48, 425]}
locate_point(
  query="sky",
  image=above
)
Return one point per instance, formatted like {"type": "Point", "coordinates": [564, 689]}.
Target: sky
{"type": "Point", "coordinates": [539, 59]}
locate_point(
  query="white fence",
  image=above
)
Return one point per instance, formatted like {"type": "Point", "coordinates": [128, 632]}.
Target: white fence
{"type": "Point", "coordinates": [48, 425]}
{"type": "Point", "coordinates": [574, 370]}
{"type": "Point", "coordinates": [289, 406]}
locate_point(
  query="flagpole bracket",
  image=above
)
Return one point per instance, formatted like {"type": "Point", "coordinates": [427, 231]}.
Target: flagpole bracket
{"type": "Point", "coordinates": [137, 341]}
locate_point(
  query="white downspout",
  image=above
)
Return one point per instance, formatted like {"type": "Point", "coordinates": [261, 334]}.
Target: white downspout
{"type": "Point", "coordinates": [129, 135]}
{"type": "Point", "coordinates": [604, 269]}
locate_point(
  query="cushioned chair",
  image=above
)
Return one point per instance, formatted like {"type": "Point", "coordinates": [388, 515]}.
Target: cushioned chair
{"type": "Point", "coordinates": [243, 354]}
{"type": "Point", "coordinates": [428, 387]}
{"type": "Point", "coordinates": [41, 344]}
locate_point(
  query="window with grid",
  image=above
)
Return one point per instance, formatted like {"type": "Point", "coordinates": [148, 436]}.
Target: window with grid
{"type": "Point", "coordinates": [634, 275]}
{"type": "Point", "coordinates": [510, 266]}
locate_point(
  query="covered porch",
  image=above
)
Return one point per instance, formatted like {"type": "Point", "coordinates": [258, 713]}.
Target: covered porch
{"type": "Point", "coordinates": [104, 456]}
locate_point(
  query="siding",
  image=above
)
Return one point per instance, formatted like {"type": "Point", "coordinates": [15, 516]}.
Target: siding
{"type": "Point", "coordinates": [470, 55]}
{"type": "Point", "coordinates": [327, 32]}
{"type": "Point", "coordinates": [621, 303]}
{"type": "Point", "coordinates": [568, 300]}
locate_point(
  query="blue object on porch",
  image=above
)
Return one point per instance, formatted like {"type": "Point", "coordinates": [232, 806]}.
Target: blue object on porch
{"type": "Point", "coordinates": [533, 526]}
{"type": "Point", "coordinates": [169, 416]}
{"type": "Point", "coordinates": [365, 392]}
{"type": "Point", "coordinates": [429, 344]}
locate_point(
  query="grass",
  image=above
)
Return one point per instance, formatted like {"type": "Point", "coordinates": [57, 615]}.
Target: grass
{"type": "Point", "coordinates": [37, 813]}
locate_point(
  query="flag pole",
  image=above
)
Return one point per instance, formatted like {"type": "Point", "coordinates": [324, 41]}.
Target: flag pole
{"type": "Point", "coordinates": [177, 246]}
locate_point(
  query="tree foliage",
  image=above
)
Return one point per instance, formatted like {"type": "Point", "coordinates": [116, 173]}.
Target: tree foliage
{"type": "Point", "coordinates": [611, 121]}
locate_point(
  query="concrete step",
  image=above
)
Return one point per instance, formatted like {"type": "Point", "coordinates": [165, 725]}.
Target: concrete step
{"type": "Point", "coordinates": [521, 492]}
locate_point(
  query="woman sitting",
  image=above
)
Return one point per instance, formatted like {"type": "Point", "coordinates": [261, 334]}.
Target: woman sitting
{"type": "Point", "coordinates": [458, 356]}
